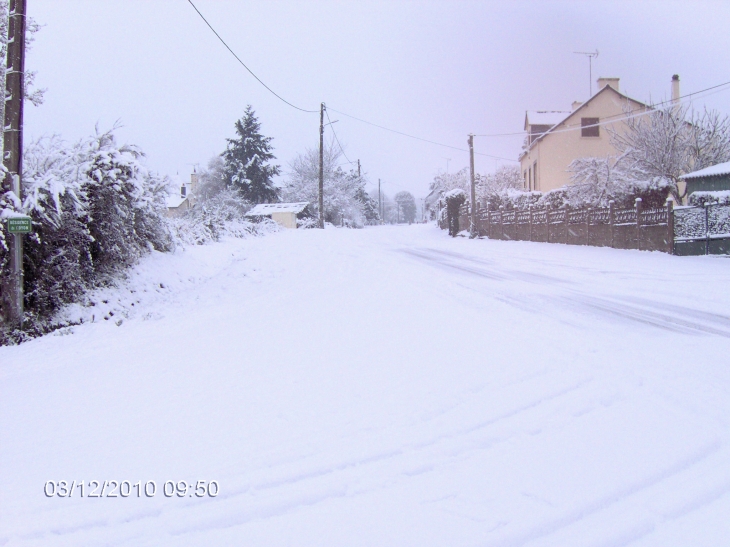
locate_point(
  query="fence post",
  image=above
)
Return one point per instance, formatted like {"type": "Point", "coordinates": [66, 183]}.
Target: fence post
{"type": "Point", "coordinates": [501, 222]}
{"type": "Point", "coordinates": [637, 205]}
{"type": "Point", "coordinates": [707, 228]}
{"type": "Point", "coordinates": [611, 219]}
{"type": "Point", "coordinates": [670, 224]}
{"type": "Point", "coordinates": [566, 223]}
{"type": "Point", "coordinates": [489, 222]}
{"type": "Point", "coordinates": [547, 222]}
{"type": "Point", "coordinates": [530, 232]}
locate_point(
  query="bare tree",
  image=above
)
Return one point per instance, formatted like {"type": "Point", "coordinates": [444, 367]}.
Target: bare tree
{"type": "Point", "coordinates": [668, 143]}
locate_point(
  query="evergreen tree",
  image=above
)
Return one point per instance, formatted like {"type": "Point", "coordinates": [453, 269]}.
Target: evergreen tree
{"type": "Point", "coordinates": [247, 158]}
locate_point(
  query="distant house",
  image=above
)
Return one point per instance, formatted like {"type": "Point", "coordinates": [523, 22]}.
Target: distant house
{"type": "Point", "coordinates": [285, 214]}
{"type": "Point", "coordinates": [556, 138]}
{"type": "Point", "coordinates": [709, 179]}
{"type": "Point", "coordinates": [182, 196]}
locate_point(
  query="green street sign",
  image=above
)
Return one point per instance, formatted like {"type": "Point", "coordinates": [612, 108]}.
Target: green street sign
{"type": "Point", "coordinates": [19, 225]}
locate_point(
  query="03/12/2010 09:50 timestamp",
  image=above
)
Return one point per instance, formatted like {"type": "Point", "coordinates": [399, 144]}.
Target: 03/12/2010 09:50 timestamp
{"type": "Point", "coordinates": [129, 489]}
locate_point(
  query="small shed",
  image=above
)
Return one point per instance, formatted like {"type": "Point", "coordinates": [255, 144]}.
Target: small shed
{"type": "Point", "coordinates": [709, 179]}
{"type": "Point", "coordinates": [285, 214]}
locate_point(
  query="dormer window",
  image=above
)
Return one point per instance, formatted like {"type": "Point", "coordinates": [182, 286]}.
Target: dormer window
{"type": "Point", "coordinates": [589, 127]}
{"type": "Point", "coordinates": [183, 191]}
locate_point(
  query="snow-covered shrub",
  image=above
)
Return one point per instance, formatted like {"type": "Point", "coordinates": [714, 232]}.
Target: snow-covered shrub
{"type": "Point", "coordinates": [699, 199]}
{"type": "Point", "coordinates": [554, 198]}
{"type": "Point", "coordinates": [212, 218]}
{"type": "Point", "coordinates": [596, 181]}
{"type": "Point", "coordinates": [307, 223]}
{"type": "Point", "coordinates": [95, 209]}
{"type": "Point", "coordinates": [512, 199]}
{"type": "Point", "coordinates": [454, 200]}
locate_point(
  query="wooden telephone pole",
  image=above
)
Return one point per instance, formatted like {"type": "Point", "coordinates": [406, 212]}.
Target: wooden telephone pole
{"type": "Point", "coordinates": [473, 197]}
{"type": "Point", "coordinates": [12, 158]}
{"type": "Point", "coordinates": [321, 165]}
{"type": "Point", "coordinates": [380, 204]}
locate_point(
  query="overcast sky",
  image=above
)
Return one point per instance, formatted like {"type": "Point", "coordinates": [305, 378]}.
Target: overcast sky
{"type": "Point", "coordinates": [438, 70]}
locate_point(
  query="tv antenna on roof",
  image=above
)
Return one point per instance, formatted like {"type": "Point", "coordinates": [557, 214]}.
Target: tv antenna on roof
{"type": "Point", "coordinates": [590, 56]}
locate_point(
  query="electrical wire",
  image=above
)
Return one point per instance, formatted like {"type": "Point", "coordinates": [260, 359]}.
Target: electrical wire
{"type": "Point", "coordinates": [419, 138]}
{"type": "Point", "coordinates": [244, 64]}
{"type": "Point", "coordinates": [335, 134]}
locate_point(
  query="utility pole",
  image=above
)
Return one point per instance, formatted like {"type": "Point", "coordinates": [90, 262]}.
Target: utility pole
{"type": "Point", "coordinates": [358, 168]}
{"type": "Point", "coordinates": [321, 165]}
{"type": "Point", "coordinates": [380, 204]}
{"type": "Point", "coordinates": [12, 158]}
{"type": "Point", "coordinates": [473, 197]}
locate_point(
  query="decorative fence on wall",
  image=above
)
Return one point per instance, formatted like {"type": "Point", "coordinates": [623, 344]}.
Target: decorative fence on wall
{"type": "Point", "coordinates": [681, 230]}
{"type": "Point", "coordinates": [702, 230]}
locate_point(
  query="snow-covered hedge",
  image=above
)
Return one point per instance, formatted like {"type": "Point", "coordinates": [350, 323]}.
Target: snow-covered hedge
{"type": "Point", "coordinates": [222, 214]}
{"type": "Point", "coordinates": [699, 199]}
{"type": "Point", "coordinates": [95, 210]}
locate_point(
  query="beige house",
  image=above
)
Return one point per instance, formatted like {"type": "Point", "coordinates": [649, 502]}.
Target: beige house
{"type": "Point", "coordinates": [284, 214]}
{"type": "Point", "coordinates": [556, 138]}
{"type": "Point", "coordinates": [183, 195]}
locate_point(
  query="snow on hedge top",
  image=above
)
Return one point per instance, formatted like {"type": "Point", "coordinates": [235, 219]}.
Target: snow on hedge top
{"type": "Point", "coordinates": [454, 193]}
{"type": "Point", "coordinates": [264, 209]}
{"type": "Point", "coordinates": [713, 171]}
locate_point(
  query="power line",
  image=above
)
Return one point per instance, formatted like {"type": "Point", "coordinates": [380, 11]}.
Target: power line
{"type": "Point", "coordinates": [244, 64]}
{"type": "Point", "coordinates": [335, 134]}
{"type": "Point", "coordinates": [418, 138]}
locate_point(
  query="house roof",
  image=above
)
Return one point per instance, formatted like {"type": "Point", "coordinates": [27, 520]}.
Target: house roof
{"type": "Point", "coordinates": [581, 107]}
{"type": "Point", "coordinates": [713, 171]}
{"type": "Point", "coordinates": [175, 200]}
{"type": "Point", "coordinates": [265, 209]}
{"type": "Point", "coordinates": [544, 117]}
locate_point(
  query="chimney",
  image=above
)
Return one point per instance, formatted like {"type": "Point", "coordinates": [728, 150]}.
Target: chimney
{"type": "Point", "coordinates": [611, 82]}
{"type": "Point", "coordinates": [675, 89]}
{"type": "Point", "coordinates": [576, 104]}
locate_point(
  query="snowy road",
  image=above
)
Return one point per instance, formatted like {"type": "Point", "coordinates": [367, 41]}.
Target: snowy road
{"type": "Point", "coordinates": [382, 387]}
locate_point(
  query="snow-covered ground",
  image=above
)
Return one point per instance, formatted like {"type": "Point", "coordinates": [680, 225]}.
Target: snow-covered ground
{"type": "Point", "coordinates": [382, 387]}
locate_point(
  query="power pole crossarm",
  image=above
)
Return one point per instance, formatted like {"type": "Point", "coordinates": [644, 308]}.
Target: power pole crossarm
{"type": "Point", "coordinates": [13, 158]}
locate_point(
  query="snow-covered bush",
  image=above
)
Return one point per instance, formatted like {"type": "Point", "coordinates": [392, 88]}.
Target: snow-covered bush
{"type": "Point", "coordinates": [212, 218]}
{"type": "Point", "coordinates": [699, 199]}
{"type": "Point", "coordinates": [95, 210]}
{"type": "Point", "coordinates": [596, 181]}
{"type": "Point", "coordinates": [454, 200]}
{"type": "Point", "coordinates": [512, 199]}
{"type": "Point", "coordinates": [554, 198]}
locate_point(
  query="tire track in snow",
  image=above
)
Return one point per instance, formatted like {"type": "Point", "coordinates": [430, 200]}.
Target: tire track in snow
{"type": "Point", "coordinates": [654, 314]}
{"type": "Point", "coordinates": [602, 503]}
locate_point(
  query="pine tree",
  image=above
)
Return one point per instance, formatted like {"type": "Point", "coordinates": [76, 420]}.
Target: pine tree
{"type": "Point", "coordinates": [247, 157]}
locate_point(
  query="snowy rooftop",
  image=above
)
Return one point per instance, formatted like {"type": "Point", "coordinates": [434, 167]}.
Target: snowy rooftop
{"type": "Point", "coordinates": [545, 117]}
{"type": "Point", "coordinates": [264, 209]}
{"type": "Point", "coordinates": [715, 170]}
{"type": "Point", "coordinates": [175, 200]}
